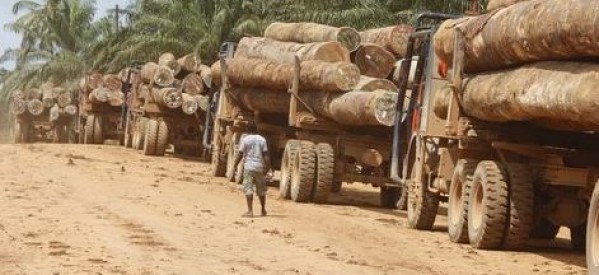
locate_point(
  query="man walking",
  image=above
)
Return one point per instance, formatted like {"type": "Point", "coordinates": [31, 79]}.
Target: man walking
{"type": "Point", "coordinates": [256, 163]}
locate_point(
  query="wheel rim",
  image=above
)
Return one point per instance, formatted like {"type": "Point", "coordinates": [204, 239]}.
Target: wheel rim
{"type": "Point", "coordinates": [594, 242]}
{"type": "Point", "coordinates": [477, 205]}
{"type": "Point", "coordinates": [456, 201]}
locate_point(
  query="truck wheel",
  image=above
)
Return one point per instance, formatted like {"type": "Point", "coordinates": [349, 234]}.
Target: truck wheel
{"type": "Point", "coordinates": [287, 162]}
{"type": "Point", "coordinates": [151, 137]}
{"type": "Point", "coordinates": [325, 170]}
{"type": "Point", "coordinates": [488, 206]}
{"type": "Point", "coordinates": [578, 236]}
{"type": "Point", "coordinates": [459, 196]}
{"type": "Point", "coordinates": [544, 230]}
{"type": "Point", "coordinates": [521, 218]}
{"type": "Point", "coordinates": [422, 204]}
{"type": "Point", "coordinates": [161, 138]}
{"type": "Point", "coordinates": [302, 177]}
{"type": "Point", "coordinates": [98, 135]}
{"type": "Point", "coordinates": [232, 151]}
{"type": "Point", "coordinates": [389, 196]}
{"type": "Point", "coordinates": [592, 236]}
{"type": "Point", "coordinates": [88, 130]}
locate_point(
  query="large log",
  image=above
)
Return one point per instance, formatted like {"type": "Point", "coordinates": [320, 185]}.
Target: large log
{"type": "Point", "coordinates": [167, 97]}
{"type": "Point", "coordinates": [148, 71]}
{"type": "Point", "coordinates": [370, 84]}
{"type": "Point", "coordinates": [559, 95]}
{"type": "Point", "coordinates": [18, 106]}
{"type": "Point", "coordinates": [113, 82]}
{"type": "Point", "coordinates": [499, 4]}
{"type": "Point", "coordinates": [206, 74]}
{"type": "Point", "coordinates": [164, 76]}
{"type": "Point", "coordinates": [35, 107]}
{"type": "Point", "coordinates": [312, 32]}
{"type": "Point", "coordinates": [189, 63]}
{"type": "Point", "coordinates": [193, 84]}
{"type": "Point", "coordinates": [393, 39]}
{"type": "Point", "coordinates": [169, 60]}
{"type": "Point", "coordinates": [189, 105]}
{"type": "Point", "coordinates": [355, 108]}
{"type": "Point", "coordinates": [374, 61]}
{"type": "Point", "coordinates": [315, 75]}
{"type": "Point", "coordinates": [99, 95]}
{"type": "Point", "coordinates": [258, 47]}
{"type": "Point", "coordinates": [537, 30]}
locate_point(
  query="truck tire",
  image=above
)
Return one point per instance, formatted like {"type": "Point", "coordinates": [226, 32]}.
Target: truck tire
{"type": "Point", "coordinates": [287, 163]}
{"type": "Point", "coordinates": [459, 198]}
{"type": "Point", "coordinates": [489, 206]}
{"type": "Point", "coordinates": [422, 204]}
{"type": "Point", "coordinates": [543, 229]}
{"type": "Point", "coordinates": [578, 237]}
{"type": "Point", "coordinates": [325, 170]}
{"type": "Point", "coordinates": [592, 235]}
{"type": "Point", "coordinates": [98, 135]}
{"type": "Point", "coordinates": [302, 179]}
{"type": "Point", "coordinates": [389, 196]}
{"type": "Point", "coordinates": [151, 137]}
{"type": "Point", "coordinates": [88, 130]}
{"type": "Point", "coordinates": [521, 197]}
{"type": "Point", "coordinates": [161, 138]}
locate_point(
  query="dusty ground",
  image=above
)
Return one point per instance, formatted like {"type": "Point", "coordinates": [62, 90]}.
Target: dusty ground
{"type": "Point", "coordinates": [108, 210]}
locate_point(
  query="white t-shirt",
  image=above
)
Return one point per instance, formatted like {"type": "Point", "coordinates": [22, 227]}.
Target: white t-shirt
{"type": "Point", "coordinates": [253, 147]}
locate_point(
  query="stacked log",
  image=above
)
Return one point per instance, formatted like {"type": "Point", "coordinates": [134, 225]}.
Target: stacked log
{"type": "Point", "coordinates": [48, 99]}
{"type": "Point", "coordinates": [523, 62]}
{"type": "Point", "coordinates": [374, 61]}
{"type": "Point", "coordinates": [258, 47]}
{"type": "Point", "coordinates": [312, 32]}
{"type": "Point", "coordinates": [175, 82]}
{"type": "Point", "coordinates": [393, 39]}
{"type": "Point", "coordinates": [499, 4]}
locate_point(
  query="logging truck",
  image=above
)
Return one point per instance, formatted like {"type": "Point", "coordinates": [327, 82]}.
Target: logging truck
{"type": "Point", "coordinates": [505, 182]}
{"type": "Point", "coordinates": [314, 153]}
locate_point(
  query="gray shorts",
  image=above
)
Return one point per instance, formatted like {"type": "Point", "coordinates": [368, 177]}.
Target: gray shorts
{"type": "Point", "coordinates": [251, 179]}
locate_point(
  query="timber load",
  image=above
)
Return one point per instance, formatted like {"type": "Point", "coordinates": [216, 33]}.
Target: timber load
{"type": "Point", "coordinates": [175, 83]}
{"type": "Point", "coordinates": [47, 100]}
{"type": "Point", "coordinates": [102, 89]}
{"type": "Point", "coordinates": [530, 31]}
{"type": "Point", "coordinates": [312, 32]}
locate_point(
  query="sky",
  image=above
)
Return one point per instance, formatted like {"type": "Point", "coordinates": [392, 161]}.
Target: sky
{"type": "Point", "coordinates": [11, 40]}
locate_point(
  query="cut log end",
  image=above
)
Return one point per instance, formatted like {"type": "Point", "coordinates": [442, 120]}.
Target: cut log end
{"type": "Point", "coordinates": [384, 107]}
{"type": "Point", "coordinates": [348, 76]}
{"type": "Point", "coordinates": [168, 97]}
{"type": "Point", "coordinates": [189, 105]}
{"type": "Point", "coordinates": [18, 107]}
{"type": "Point", "coordinates": [164, 76]}
{"type": "Point", "coordinates": [374, 61]}
{"type": "Point", "coordinates": [349, 38]}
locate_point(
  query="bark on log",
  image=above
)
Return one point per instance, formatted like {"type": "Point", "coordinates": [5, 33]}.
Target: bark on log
{"type": "Point", "coordinates": [500, 4]}
{"type": "Point", "coordinates": [18, 106]}
{"type": "Point", "coordinates": [54, 113]}
{"type": "Point", "coordinates": [315, 75]}
{"type": "Point", "coordinates": [393, 39]}
{"type": "Point", "coordinates": [355, 108]}
{"type": "Point", "coordinates": [370, 84]}
{"type": "Point", "coordinates": [189, 63]}
{"type": "Point", "coordinates": [374, 61]}
{"type": "Point", "coordinates": [203, 102]}
{"type": "Point", "coordinates": [189, 105]}
{"type": "Point", "coordinates": [559, 95]}
{"type": "Point", "coordinates": [537, 30]}
{"type": "Point", "coordinates": [193, 84]}
{"type": "Point", "coordinates": [35, 107]}
{"type": "Point", "coordinates": [312, 32]}
{"type": "Point", "coordinates": [99, 95]}
{"type": "Point", "coordinates": [148, 71]}
{"type": "Point", "coordinates": [113, 82]}
{"type": "Point", "coordinates": [169, 60]}
{"type": "Point", "coordinates": [167, 97]}
{"type": "Point", "coordinates": [164, 76]}
{"type": "Point", "coordinates": [258, 47]}
{"type": "Point", "coordinates": [206, 74]}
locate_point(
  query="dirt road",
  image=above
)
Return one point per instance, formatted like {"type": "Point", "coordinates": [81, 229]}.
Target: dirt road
{"type": "Point", "coordinates": [108, 210]}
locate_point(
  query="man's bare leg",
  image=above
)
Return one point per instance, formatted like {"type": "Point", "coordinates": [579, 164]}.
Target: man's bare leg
{"type": "Point", "coordinates": [250, 201]}
{"type": "Point", "coordinates": [263, 204]}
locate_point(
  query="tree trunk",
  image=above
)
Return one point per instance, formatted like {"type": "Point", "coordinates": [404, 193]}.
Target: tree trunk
{"type": "Point", "coordinates": [169, 60]}
{"type": "Point", "coordinates": [355, 108]}
{"type": "Point", "coordinates": [315, 75]}
{"type": "Point", "coordinates": [164, 76]}
{"type": "Point", "coordinates": [312, 32]}
{"type": "Point", "coordinates": [113, 82]}
{"type": "Point", "coordinates": [193, 84]}
{"type": "Point", "coordinates": [558, 95]}
{"type": "Point", "coordinates": [499, 4]}
{"type": "Point", "coordinates": [370, 84]}
{"type": "Point", "coordinates": [374, 61]}
{"type": "Point", "coordinates": [148, 71]}
{"type": "Point", "coordinates": [393, 39]}
{"type": "Point", "coordinates": [206, 74]}
{"type": "Point", "coordinates": [35, 107]}
{"type": "Point", "coordinates": [189, 105]}
{"type": "Point", "coordinates": [264, 48]}
{"type": "Point", "coordinates": [537, 30]}
{"type": "Point", "coordinates": [189, 63]}
{"type": "Point", "coordinates": [167, 97]}
{"type": "Point", "coordinates": [18, 107]}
